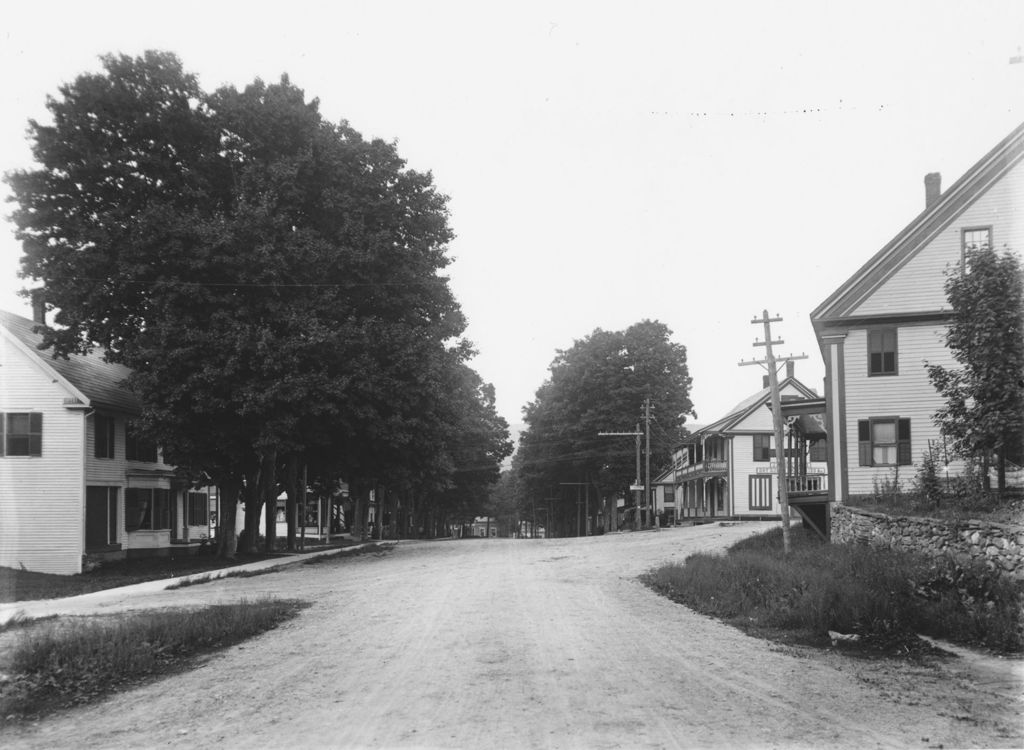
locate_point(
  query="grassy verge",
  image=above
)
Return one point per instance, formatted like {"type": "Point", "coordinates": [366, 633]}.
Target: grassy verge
{"type": "Point", "coordinates": [378, 548]}
{"type": "Point", "coordinates": [59, 663]}
{"type": "Point", "coordinates": [23, 585]}
{"type": "Point", "coordinates": [883, 596]}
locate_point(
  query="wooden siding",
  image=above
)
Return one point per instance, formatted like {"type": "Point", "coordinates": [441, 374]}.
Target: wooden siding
{"type": "Point", "coordinates": [907, 395]}
{"type": "Point", "coordinates": [744, 466]}
{"type": "Point", "coordinates": [919, 285]}
{"type": "Point", "coordinates": [42, 505]}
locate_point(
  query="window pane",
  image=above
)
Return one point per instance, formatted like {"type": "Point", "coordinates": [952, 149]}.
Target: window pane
{"type": "Point", "coordinates": [161, 509]}
{"type": "Point", "coordinates": [884, 455]}
{"type": "Point", "coordinates": [137, 509]}
{"type": "Point", "coordinates": [883, 432]}
{"type": "Point", "coordinates": [18, 445]}
{"type": "Point", "coordinates": [976, 239]}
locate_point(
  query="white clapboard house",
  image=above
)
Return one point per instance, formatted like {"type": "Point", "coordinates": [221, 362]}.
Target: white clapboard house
{"type": "Point", "coordinates": [75, 483]}
{"type": "Point", "coordinates": [879, 328]}
{"type": "Point", "coordinates": [728, 469]}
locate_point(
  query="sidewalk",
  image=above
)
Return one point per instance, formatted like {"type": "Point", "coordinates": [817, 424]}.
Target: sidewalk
{"type": "Point", "coordinates": [93, 602]}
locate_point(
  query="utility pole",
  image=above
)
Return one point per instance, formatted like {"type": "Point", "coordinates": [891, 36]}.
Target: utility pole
{"type": "Point", "coordinates": [648, 500]}
{"type": "Point", "coordinates": [637, 434]}
{"type": "Point", "coordinates": [771, 364]}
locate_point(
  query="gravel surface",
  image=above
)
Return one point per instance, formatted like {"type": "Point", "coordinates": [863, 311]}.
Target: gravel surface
{"type": "Point", "coordinates": [529, 644]}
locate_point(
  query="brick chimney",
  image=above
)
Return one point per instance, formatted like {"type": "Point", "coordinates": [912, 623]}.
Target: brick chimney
{"type": "Point", "coordinates": [790, 368]}
{"type": "Point", "coordinates": [38, 311]}
{"type": "Point", "coordinates": [932, 188]}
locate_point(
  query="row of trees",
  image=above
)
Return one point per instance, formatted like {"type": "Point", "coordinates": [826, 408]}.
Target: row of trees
{"type": "Point", "coordinates": [600, 384]}
{"type": "Point", "coordinates": [273, 280]}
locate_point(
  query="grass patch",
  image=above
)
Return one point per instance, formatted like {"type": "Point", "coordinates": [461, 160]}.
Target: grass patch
{"type": "Point", "coordinates": [373, 548]}
{"type": "Point", "coordinates": [381, 549]}
{"type": "Point", "coordinates": [211, 577]}
{"type": "Point", "coordinates": [23, 585]}
{"type": "Point", "coordinates": [884, 596]}
{"type": "Point", "coordinates": [963, 502]}
{"type": "Point", "coordinates": [69, 661]}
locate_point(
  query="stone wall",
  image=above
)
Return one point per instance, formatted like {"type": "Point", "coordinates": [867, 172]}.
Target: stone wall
{"type": "Point", "coordinates": [999, 546]}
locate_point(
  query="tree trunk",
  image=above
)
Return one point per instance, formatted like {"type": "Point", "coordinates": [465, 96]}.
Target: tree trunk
{"type": "Point", "coordinates": [291, 488]}
{"type": "Point", "coordinates": [358, 522]}
{"type": "Point", "coordinates": [268, 476]}
{"type": "Point", "coordinates": [253, 506]}
{"type": "Point", "coordinates": [228, 491]}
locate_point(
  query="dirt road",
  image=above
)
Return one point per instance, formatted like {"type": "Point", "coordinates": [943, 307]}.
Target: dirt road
{"type": "Point", "coordinates": [529, 644]}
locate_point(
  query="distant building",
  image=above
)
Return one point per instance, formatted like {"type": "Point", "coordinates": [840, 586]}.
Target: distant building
{"type": "Point", "coordinates": [483, 526]}
{"type": "Point", "coordinates": [728, 468]}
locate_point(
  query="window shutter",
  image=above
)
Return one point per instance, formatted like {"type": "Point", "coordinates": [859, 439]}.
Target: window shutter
{"type": "Point", "coordinates": [3, 435]}
{"type": "Point", "coordinates": [35, 434]}
{"type": "Point", "coordinates": [903, 457]}
{"type": "Point", "coordinates": [864, 442]}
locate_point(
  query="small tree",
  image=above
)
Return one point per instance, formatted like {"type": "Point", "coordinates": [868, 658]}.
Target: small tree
{"type": "Point", "coordinates": [926, 481]}
{"type": "Point", "coordinates": [983, 415]}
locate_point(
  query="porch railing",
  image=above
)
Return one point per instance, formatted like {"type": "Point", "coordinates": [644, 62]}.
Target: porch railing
{"type": "Point", "coordinates": [704, 467]}
{"type": "Point", "coordinates": [807, 484]}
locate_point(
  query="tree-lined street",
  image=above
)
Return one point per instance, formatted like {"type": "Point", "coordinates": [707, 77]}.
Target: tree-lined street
{"type": "Point", "coordinates": [529, 643]}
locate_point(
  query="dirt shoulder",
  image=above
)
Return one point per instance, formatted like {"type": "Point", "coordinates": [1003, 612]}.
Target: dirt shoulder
{"type": "Point", "coordinates": [529, 643]}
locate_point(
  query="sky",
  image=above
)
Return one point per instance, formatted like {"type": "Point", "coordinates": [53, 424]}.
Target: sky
{"type": "Point", "coordinates": [606, 163]}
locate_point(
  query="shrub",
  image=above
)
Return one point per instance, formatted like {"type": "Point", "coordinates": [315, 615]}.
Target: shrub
{"type": "Point", "coordinates": [926, 480]}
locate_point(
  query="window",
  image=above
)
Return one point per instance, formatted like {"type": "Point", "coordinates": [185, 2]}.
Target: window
{"type": "Point", "coordinates": [22, 434]}
{"type": "Point", "coordinates": [137, 448]}
{"type": "Point", "coordinates": [197, 509]}
{"type": "Point", "coordinates": [147, 509]}
{"type": "Point", "coordinates": [100, 517]}
{"type": "Point", "coordinates": [670, 495]}
{"type": "Point", "coordinates": [882, 352]}
{"type": "Point", "coordinates": [974, 238]}
{"type": "Point", "coordinates": [104, 436]}
{"type": "Point", "coordinates": [762, 447]}
{"type": "Point", "coordinates": [761, 492]}
{"type": "Point", "coordinates": [884, 442]}
{"type": "Point", "coordinates": [819, 450]}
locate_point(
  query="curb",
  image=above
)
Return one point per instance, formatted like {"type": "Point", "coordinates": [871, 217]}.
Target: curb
{"type": "Point", "coordinates": [37, 608]}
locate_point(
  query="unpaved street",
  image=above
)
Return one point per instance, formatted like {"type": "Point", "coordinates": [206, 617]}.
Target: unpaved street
{"type": "Point", "coordinates": [528, 644]}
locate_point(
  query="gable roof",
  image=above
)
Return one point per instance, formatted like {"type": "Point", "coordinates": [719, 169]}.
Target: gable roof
{"type": "Point", "coordinates": [99, 381]}
{"type": "Point", "coordinates": [750, 404]}
{"type": "Point", "coordinates": [916, 235]}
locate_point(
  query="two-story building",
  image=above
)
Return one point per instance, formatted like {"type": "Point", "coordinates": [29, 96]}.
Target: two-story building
{"type": "Point", "coordinates": [728, 468]}
{"type": "Point", "coordinates": [880, 328]}
{"type": "Point", "coordinates": [75, 479]}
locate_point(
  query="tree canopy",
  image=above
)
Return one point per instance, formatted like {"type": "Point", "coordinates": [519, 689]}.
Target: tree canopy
{"type": "Point", "coordinates": [983, 414]}
{"type": "Point", "coordinates": [273, 279]}
{"type": "Point", "coordinates": [599, 385]}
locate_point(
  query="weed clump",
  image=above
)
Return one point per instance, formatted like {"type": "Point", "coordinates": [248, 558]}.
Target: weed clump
{"type": "Point", "coordinates": [69, 661]}
{"type": "Point", "coordinates": [884, 596]}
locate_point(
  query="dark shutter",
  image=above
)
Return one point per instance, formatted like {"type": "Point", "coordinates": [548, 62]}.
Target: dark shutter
{"type": "Point", "coordinates": [35, 434]}
{"type": "Point", "coordinates": [113, 517]}
{"type": "Point", "coordinates": [864, 442]}
{"type": "Point", "coordinates": [903, 456]}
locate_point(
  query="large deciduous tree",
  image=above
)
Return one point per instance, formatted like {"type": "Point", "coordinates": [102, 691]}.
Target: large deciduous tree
{"type": "Point", "coordinates": [983, 414]}
{"type": "Point", "coordinates": [273, 279]}
{"type": "Point", "coordinates": [599, 385]}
